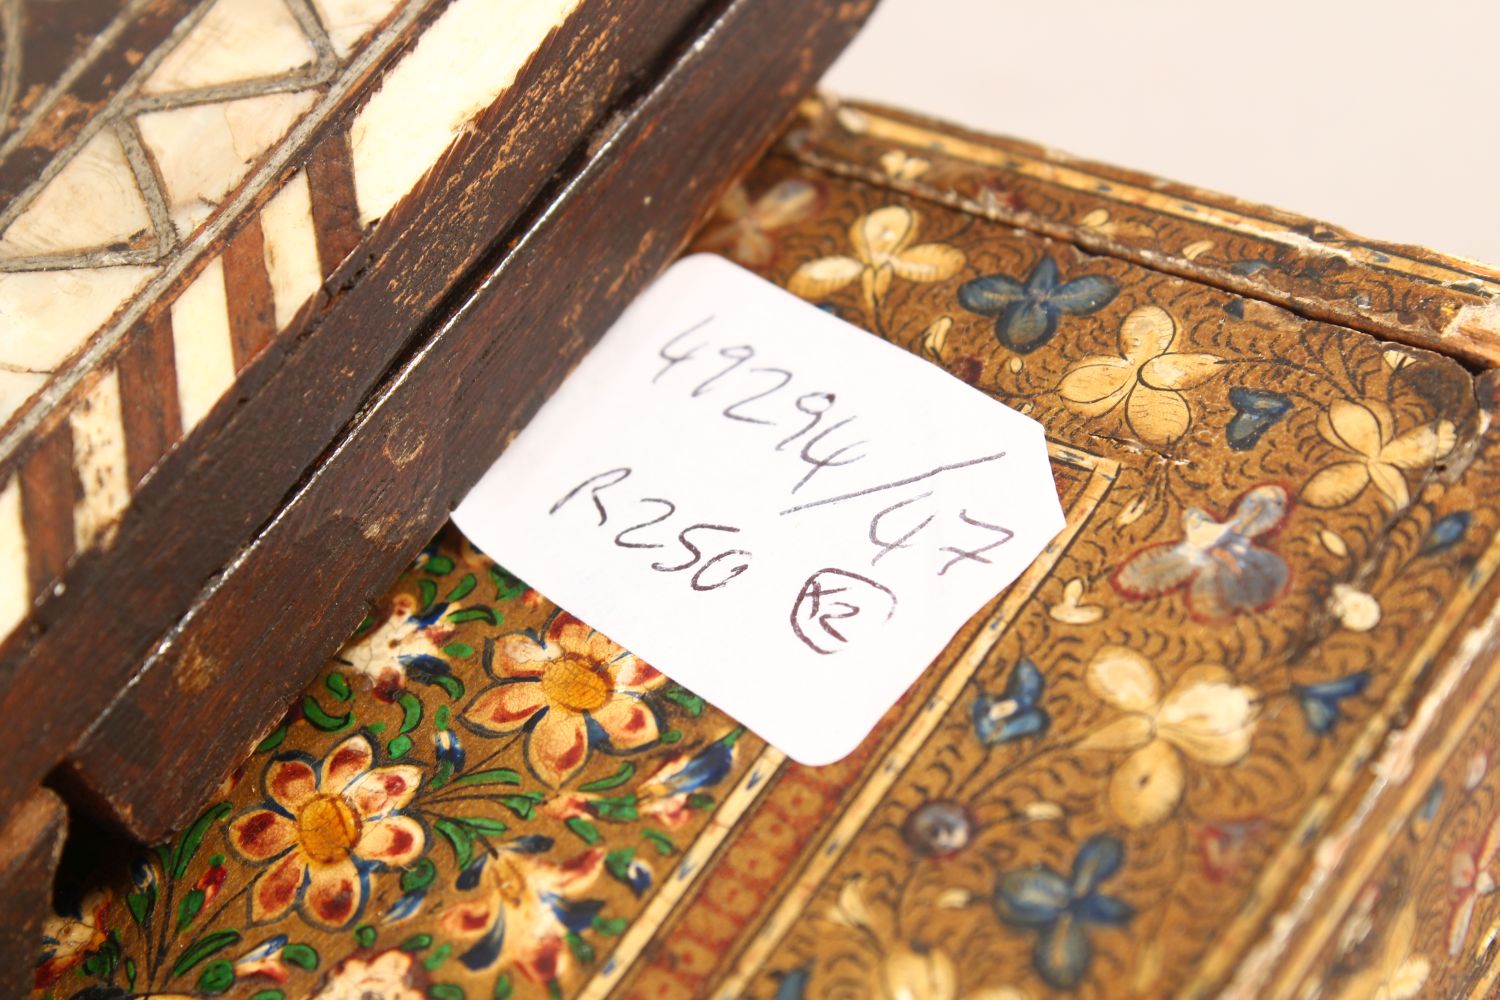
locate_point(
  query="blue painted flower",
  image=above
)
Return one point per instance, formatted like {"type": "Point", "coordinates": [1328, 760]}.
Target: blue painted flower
{"type": "Point", "coordinates": [1220, 563]}
{"type": "Point", "coordinates": [1256, 411]}
{"type": "Point", "coordinates": [1016, 712]}
{"type": "Point", "coordinates": [1026, 314]}
{"type": "Point", "coordinates": [1320, 702]}
{"type": "Point", "coordinates": [1061, 909]}
{"type": "Point", "coordinates": [1445, 533]}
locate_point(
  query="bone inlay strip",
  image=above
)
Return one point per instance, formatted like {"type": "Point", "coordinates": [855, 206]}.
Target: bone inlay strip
{"type": "Point", "coordinates": [476, 48]}
{"type": "Point", "coordinates": [15, 595]}
{"type": "Point", "coordinates": [99, 458]}
{"type": "Point", "coordinates": [291, 248]}
{"type": "Point", "coordinates": [201, 345]}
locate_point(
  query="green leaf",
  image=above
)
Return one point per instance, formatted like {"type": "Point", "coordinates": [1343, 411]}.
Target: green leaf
{"type": "Point", "coordinates": [273, 741]}
{"type": "Point", "coordinates": [440, 717]}
{"type": "Point", "coordinates": [303, 956]}
{"type": "Point", "coordinates": [461, 591]}
{"type": "Point", "coordinates": [188, 845]}
{"type": "Point", "coordinates": [610, 926]}
{"type": "Point", "coordinates": [441, 775]}
{"type": "Point", "coordinates": [140, 905]}
{"type": "Point", "coordinates": [521, 805]}
{"type": "Point", "coordinates": [416, 942]}
{"type": "Point", "coordinates": [506, 586]}
{"type": "Point", "coordinates": [662, 842]}
{"type": "Point", "coordinates": [376, 728]}
{"type": "Point", "coordinates": [503, 988]}
{"type": "Point", "coordinates": [554, 990]}
{"type": "Point", "coordinates": [450, 684]}
{"type": "Point", "coordinates": [335, 682]}
{"type": "Point", "coordinates": [364, 934]}
{"type": "Point", "coordinates": [418, 876]}
{"type": "Point", "coordinates": [188, 908]}
{"type": "Point", "coordinates": [476, 614]}
{"type": "Point", "coordinates": [215, 860]}
{"type": "Point", "coordinates": [459, 650]}
{"type": "Point", "coordinates": [411, 711]}
{"type": "Point", "coordinates": [439, 565]}
{"type": "Point", "coordinates": [217, 976]}
{"type": "Point", "coordinates": [671, 736]}
{"type": "Point", "coordinates": [461, 837]}
{"type": "Point", "coordinates": [268, 995]}
{"type": "Point", "coordinates": [619, 809]}
{"type": "Point", "coordinates": [399, 747]}
{"type": "Point", "coordinates": [581, 949]}
{"type": "Point", "coordinates": [314, 714]}
{"type": "Point", "coordinates": [428, 591]}
{"type": "Point", "coordinates": [690, 702]}
{"type": "Point", "coordinates": [700, 801]}
{"type": "Point", "coordinates": [438, 957]}
{"type": "Point", "coordinates": [445, 991]}
{"type": "Point", "coordinates": [617, 863]}
{"type": "Point", "coordinates": [493, 776]}
{"type": "Point", "coordinates": [485, 825]}
{"type": "Point", "coordinates": [365, 623]}
{"type": "Point", "coordinates": [206, 946]}
{"type": "Point", "coordinates": [624, 774]}
{"type": "Point", "coordinates": [586, 831]}
{"type": "Point", "coordinates": [130, 974]}
{"type": "Point", "coordinates": [729, 738]}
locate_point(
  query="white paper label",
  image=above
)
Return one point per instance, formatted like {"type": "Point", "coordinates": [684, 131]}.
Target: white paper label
{"type": "Point", "coordinates": [781, 512]}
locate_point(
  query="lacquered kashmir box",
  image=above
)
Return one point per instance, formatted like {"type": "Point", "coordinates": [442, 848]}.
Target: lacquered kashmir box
{"type": "Point", "coordinates": [1231, 735]}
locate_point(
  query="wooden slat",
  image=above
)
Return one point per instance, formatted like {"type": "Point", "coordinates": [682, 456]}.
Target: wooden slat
{"type": "Point", "coordinates": [30, 846]}
{"type": "Point", "coordinates": [148, 396]}
{"type": "Point", "coordinates": [49, 489]}
{"type": "Point", "coordinates": [330, 181]}
{"type": "Point", "coordinates": [252, 309]}
{"type": "Point", "coordinates": [254, 637]}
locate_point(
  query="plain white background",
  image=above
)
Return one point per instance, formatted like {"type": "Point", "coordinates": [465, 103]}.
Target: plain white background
{"type": "Point", "coordinates": [1380, 117]}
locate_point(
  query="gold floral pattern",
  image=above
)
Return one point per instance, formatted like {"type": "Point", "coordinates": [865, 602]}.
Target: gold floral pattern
{"type": "Point", "coordinates": [883, 251]}
{"type": "Point", "coordinates": [1146, 379]}
{"type": "Point", "coordinates": [1205, 718]}
{"type": "Point", "coordinates": [1366, 431]}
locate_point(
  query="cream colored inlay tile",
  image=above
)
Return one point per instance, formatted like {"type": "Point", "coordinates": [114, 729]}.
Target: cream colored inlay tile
{"type": "Point", "coordinates": [291, 248]}
{"type": "Point", "coordinates": [348, 21]}
{"type": "Point", "coordinates": [236, 40]}
{"type": "Point", "coordinates": [93, 202]}
{"type": "Point", "coordinates": [99, 459]}
{"type": "Point", "coordinates": [201, 345]}
{"type": "Point", "coordinates": [203, 151]}
{"type": "Point", "coordinates": [47, 315]}
{"type": "Point", "coordinates": [458, 68]}
{"type": "Point", "coordinates": [15, 593]}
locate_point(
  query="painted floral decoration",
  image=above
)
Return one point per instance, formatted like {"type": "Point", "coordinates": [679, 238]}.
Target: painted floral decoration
{"type": "Point", "coordinates": [883, 251]}
{"type": "Point", "coordinates": [1366, 432]}
{"type": "Point", "coordinates": [387, 976]}
{"type": "Point", "coordinates": [527, 909]}
{"type": "Point", "coordinates": [1396, 974]}
{"type": "Point", "coordinates": [1145, 379]}
{"type": "Point", "coordinates": [1221, 564]}
{"type": "Point", "coordinates": [1205, 717]}
{"type": "Point", "coordinates": [1471, 877]}
{"type": "Point", "coordinates": [408, 635]}
{"type": "Point", "coordinates": [1017, 712]}
{"type": "Point", "coordinates": [570, 691]}
{"type": "Point", "coordinates": [746, 229]}
{"type": "Point", "coordinates": [321, 829]}
{"type": "Point", "coordinates": [1061, 909]}
{"type": "Point", "coordinates": [1026, 313]}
